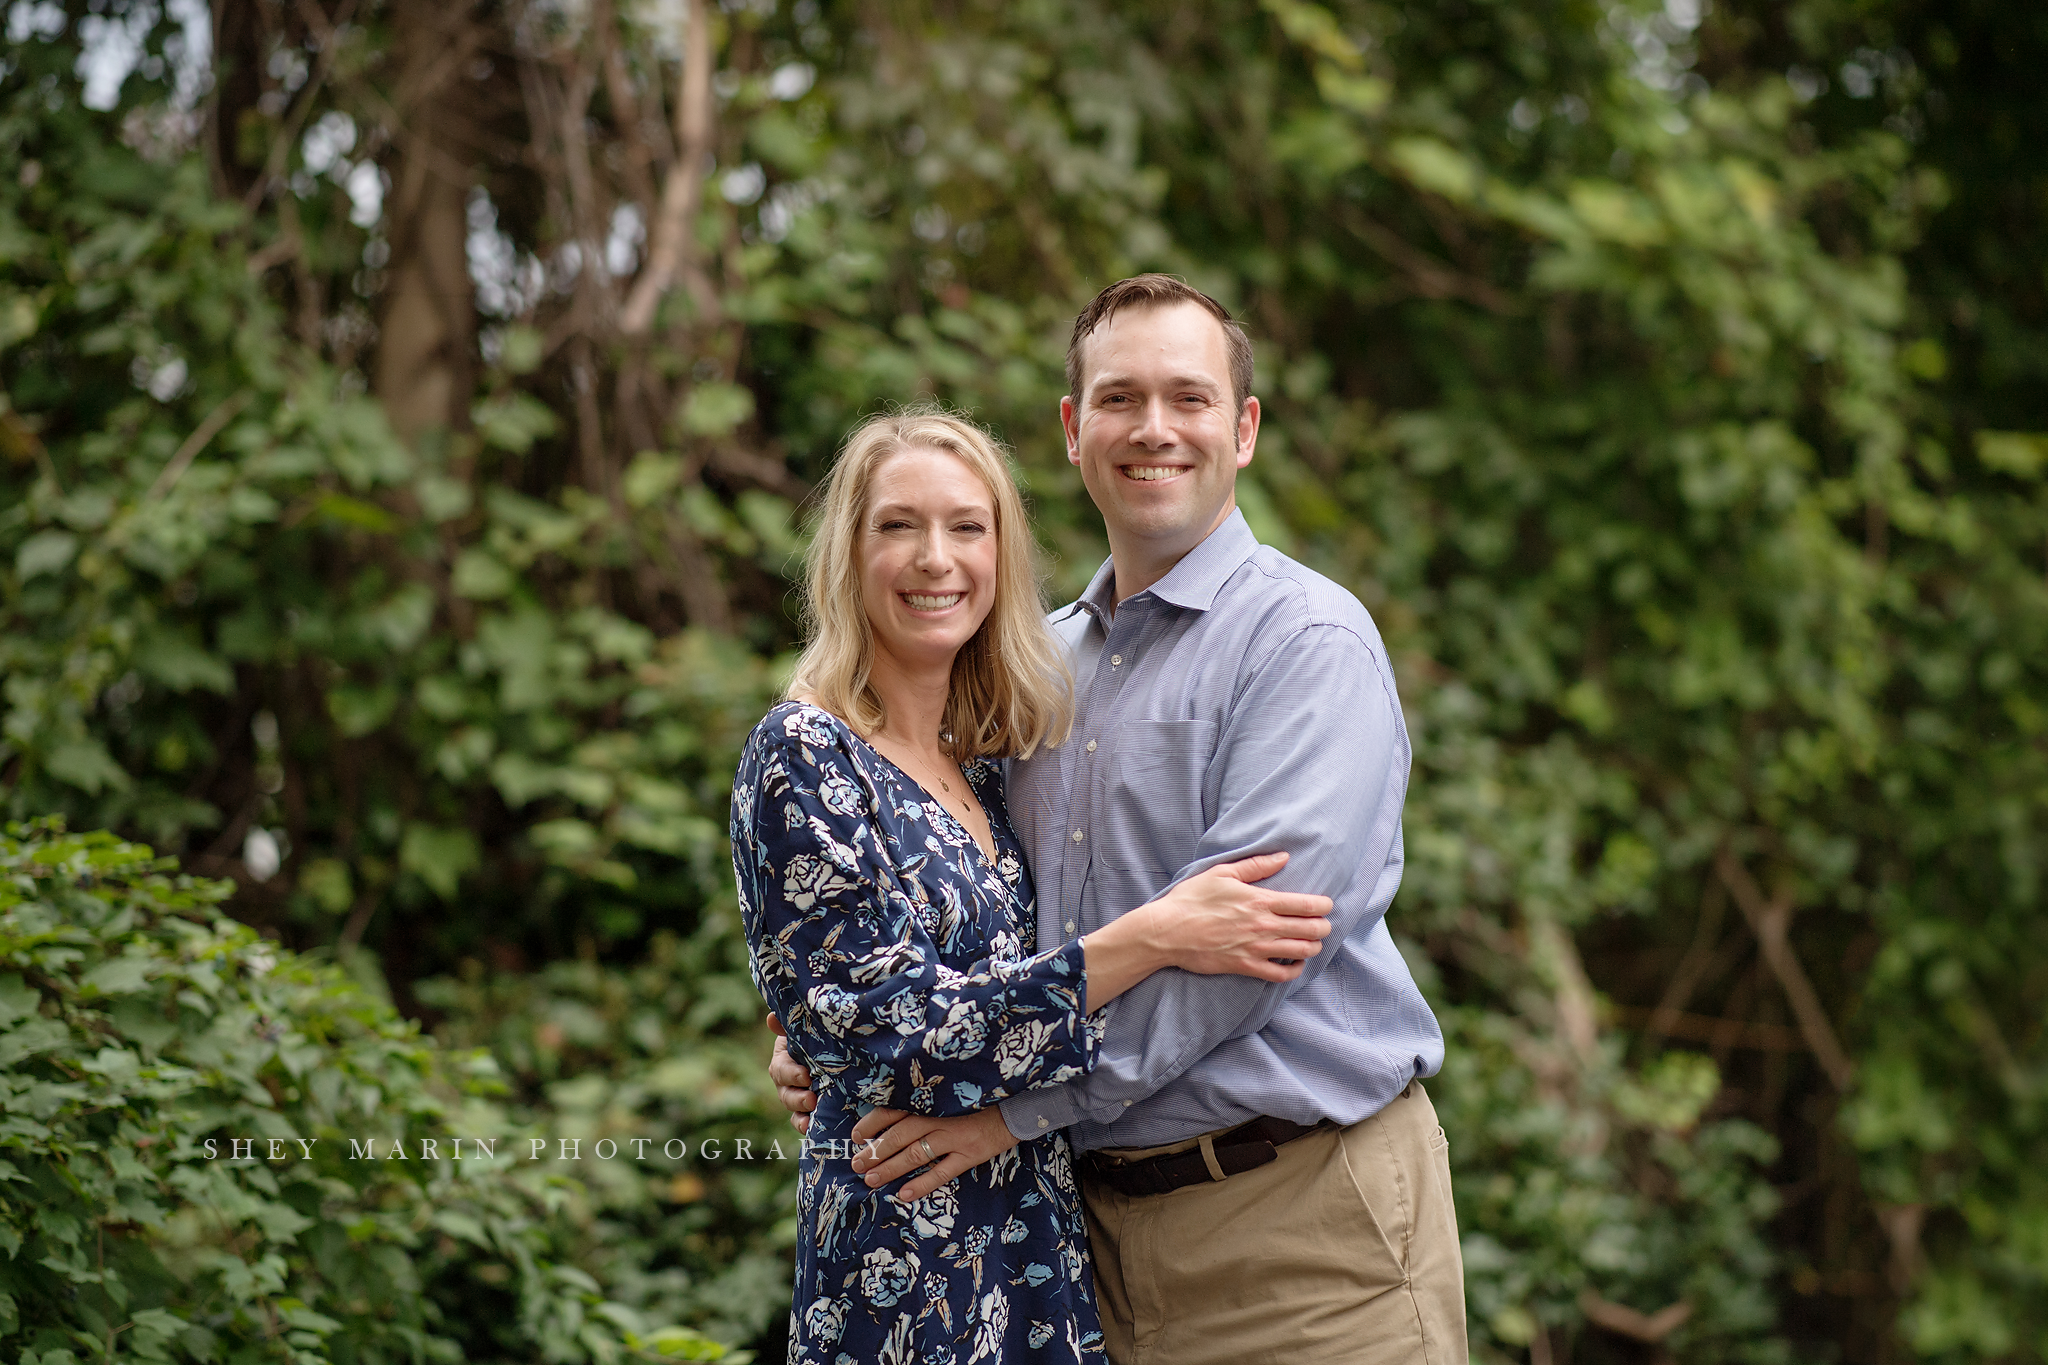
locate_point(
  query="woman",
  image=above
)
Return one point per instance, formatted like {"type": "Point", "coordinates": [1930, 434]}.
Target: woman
{"type": "Point", "coordinates": [890, 914]}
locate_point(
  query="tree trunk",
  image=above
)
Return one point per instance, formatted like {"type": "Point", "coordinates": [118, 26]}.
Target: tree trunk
{"type": "Point", "coordinates": [426, 367]}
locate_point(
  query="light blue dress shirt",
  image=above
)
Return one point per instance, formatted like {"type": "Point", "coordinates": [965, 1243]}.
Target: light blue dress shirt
{"type": "Point", "coordinates": [1242, 704]}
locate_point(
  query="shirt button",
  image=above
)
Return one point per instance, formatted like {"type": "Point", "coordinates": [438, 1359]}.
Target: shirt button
{"type": "Point", "coordinates": [1045, 1123]}
{"type": "Point", "coordinates": [1070, 926]}
{"type": "Point", "coordinates": [1127, 1104]}
{"type": "Point", "coordinates": [1091, 746]}
{"type": "Point", "coordinates": [1077, 836]}
{"type": "Point", "coordinates": [1115, 660]}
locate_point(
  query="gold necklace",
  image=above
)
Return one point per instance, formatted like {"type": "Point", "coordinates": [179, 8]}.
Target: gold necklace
{"type": "Point", "coordinates": [967, 796]}
{"type": "Point", "coordinates": [947, 788]}
{"type": "Point", "coordinates": [944, 785]}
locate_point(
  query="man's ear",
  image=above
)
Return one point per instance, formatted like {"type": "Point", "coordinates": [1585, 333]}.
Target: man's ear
{"type": "Point", "coordinates": [1247, 431]}
{"type": "Point", "coordinates": [1070, 427]}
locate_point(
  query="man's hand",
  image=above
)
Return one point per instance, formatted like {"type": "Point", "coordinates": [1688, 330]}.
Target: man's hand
{"type": "Point", "coordinates": [891, 1144]}
{"type": "Point", "coordinates": [792, 1080]}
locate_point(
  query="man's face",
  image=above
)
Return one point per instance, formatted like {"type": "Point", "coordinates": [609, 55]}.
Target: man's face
{"type": "Point", "coordinates": [1155, 428]}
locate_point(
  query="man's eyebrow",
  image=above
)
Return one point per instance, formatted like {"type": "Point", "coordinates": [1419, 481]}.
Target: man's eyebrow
{"type": "Point", "coordinates": [1179, 381]}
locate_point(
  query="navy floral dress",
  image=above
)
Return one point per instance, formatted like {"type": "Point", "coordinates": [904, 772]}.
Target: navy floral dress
{"type": "Point", "coordinates": [900, 961]}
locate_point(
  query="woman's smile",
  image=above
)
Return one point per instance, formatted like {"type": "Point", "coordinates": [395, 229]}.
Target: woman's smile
{"type": "Point", "coordinates": [931, 604]}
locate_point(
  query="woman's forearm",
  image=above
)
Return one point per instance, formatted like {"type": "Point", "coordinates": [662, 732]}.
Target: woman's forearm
{"type": "Point", "coordinates": [1121, 954]}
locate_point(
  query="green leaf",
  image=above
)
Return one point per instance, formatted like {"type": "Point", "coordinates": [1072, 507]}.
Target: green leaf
{"type": "Point", "coordinates": [86, 765]}
{"type": "Point", "coordinates": [442, 498]}
{"type": "Point", "coordinates": [439, 857]}
{"type": "Point", "coordinates": [19, 315]}
{"type": "Point", "coordinates": [327, 881]}
{"type": "Point", "coordinates": [481, 576]}
{"type": "Point", "coordinates": [117, 976]}
{"type": "Point", "coordinates": [367, 516]}
{"type": "Point", "coordinates": [650, 476]}
{"type": "Point", "coordinates": [17, 999]}
{"type": "Point", "coordinates": [359, 710]}
{"type": "Point", "coordinates": [714, 409]}
{"type": "Point", "coordinates": [172, 657]}
{"type": "Point", "coordinates": [520, 349]}
{"type": "Point", "coordinates": [403, 618]}
{"type": "Point", "coordinates": [45, 552]}
{"type": "Point", "coordinates": [1616, 213]}
{"type": "Point", "coordinates": [513, 421]}
{"type": "Point", "coordinates": [2022, 454]}
{"type": "Point", "coordinates": [1436, 167]}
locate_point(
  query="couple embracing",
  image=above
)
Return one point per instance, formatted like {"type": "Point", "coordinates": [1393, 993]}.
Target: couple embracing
{"type": "Point", "coordinates": [1075, 924]}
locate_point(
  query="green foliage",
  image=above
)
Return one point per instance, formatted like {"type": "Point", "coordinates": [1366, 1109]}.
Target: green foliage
{"type": "Point", "coordinates": [669, 1048]}
{"type": "Point", "coordinates": [182, 1112]}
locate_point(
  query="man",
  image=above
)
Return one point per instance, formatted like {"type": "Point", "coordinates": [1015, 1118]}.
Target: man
{"type": "Point", "coordinates": [1264, 1177]}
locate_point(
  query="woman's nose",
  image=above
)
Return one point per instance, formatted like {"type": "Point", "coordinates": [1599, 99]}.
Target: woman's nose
{"type": "Point", "coordinates": [933, 555]}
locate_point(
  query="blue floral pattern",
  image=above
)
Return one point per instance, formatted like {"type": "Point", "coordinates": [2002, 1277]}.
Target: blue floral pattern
{"type": "Point", "coordinates": [900, 959]}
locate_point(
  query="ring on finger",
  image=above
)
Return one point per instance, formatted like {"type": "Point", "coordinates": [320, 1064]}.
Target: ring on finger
{"type": "Point", "coordinates": [925, 1145]}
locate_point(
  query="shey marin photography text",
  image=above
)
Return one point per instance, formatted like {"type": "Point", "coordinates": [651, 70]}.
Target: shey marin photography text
{"type": "Point", "coordinates": [283, 1149]}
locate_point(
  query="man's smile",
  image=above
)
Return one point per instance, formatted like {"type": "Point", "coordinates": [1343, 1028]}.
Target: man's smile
{"type": "Point", "coordinates": [1152, 473]}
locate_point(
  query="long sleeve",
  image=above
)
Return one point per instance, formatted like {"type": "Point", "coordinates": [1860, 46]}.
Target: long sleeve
{"type": "Point", "coordinates": [848, 941]}
{"type": "Point", "coordinates": [1311, 759]}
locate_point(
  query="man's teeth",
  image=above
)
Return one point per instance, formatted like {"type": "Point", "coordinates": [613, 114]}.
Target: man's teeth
{"type": "Point", "coordinates": [926, 602]}
{"type": "Point", "coordinates": [1152, 473]}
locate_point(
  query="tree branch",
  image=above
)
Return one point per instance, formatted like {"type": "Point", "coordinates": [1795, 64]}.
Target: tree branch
{"type": "Point", "coordinates": [1628, 1322]}
{"type": "Point", "coordinates": [1771, 920]}
{"type": "Point", "coordinates": [1428, 276]}
{"type": "Point", "coordinates": [281, 145]}
{"type": "Point", "coordinates": [669, 238]}
{"type": "Point", "coordinates": [208, 428]}
{"type": "Point", "coordinates": [638, 166]}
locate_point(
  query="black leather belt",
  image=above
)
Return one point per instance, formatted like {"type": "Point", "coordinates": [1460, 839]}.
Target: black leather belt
{"type": "Point", "coordinates": [1243, 1148]}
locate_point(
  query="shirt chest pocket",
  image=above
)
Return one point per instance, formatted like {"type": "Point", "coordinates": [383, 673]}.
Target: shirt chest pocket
{"type": "Point", "coordinates": [1152, 812]}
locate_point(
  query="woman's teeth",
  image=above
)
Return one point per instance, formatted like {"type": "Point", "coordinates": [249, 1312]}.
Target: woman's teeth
{"type": "Point", "coordinates": [926, 602]}
{"type": "Point", "coordinates": [1152, 473]}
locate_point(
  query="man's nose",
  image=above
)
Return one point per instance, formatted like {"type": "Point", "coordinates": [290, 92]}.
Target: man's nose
{"type": "Point", "coordinates": [1156, 429]}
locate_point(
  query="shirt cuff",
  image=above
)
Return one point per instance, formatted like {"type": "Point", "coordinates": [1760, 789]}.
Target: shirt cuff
{"type": "Point", "coordinates": [1036, 1113]}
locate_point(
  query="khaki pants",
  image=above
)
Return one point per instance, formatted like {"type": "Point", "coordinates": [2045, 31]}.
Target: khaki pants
{"type": "Point", "coordinates": [1343, 1249]}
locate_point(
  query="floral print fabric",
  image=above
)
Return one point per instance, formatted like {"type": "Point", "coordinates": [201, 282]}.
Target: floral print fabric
{"type": "Point", "coordinates": [897, 956]}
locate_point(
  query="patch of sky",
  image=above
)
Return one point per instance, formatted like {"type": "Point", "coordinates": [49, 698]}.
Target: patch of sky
{"type": "Point", "coordinates": [622, 244]}
{"type": "Point", "coordinates": [508, 281]}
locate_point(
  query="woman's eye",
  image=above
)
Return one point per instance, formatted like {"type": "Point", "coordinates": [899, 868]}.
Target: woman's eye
{"type": "Point", "coordinates": [970, 528]}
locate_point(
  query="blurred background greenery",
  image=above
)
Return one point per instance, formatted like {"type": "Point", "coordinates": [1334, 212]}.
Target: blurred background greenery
{"type": "Point", "coordinates": [407, 414]}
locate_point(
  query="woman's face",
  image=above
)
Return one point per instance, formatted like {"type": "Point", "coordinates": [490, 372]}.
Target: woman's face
{"type": "Point", "coordinates": [927, 556]}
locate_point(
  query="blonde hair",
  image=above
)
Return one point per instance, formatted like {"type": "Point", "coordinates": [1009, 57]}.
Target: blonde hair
{"type": "Point", "coordinates": [1011, 690]}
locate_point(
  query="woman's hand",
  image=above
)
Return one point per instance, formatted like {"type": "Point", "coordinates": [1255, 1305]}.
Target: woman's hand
{"type": "Point", "coordinates": [792, 1081]}
{"type": "Point", "coordinates": [891, 1144]}
{"type": "Point", "coordinates": [1218, 922]}
{"type": "Point", "coordinates": [1214, 922]}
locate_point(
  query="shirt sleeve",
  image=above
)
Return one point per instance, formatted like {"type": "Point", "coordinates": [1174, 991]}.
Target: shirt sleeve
{"type": "Point", "coordinates": [1313, 760]}
{"type": "Point", "coordinates": [844, 951]}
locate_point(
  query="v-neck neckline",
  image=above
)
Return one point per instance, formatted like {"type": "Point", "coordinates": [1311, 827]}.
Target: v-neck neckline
{"type": "Point", "coordinates": [988, 859]}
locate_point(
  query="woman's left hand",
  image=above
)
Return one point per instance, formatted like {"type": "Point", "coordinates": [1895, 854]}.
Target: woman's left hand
{"type": "Point", "coordinates": [892, 1144]}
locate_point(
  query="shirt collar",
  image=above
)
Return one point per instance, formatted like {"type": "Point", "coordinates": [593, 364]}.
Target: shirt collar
{"type": "Point", "coordinates": [1192, 583]}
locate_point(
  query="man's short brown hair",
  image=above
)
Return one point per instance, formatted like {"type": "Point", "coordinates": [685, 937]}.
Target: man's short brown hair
{"type": "Point", "coordinates": [1152, 291]}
